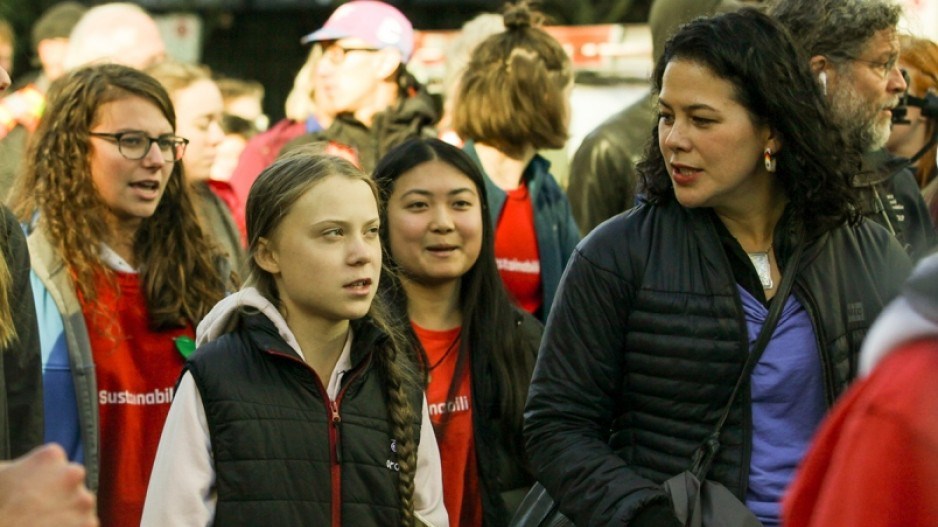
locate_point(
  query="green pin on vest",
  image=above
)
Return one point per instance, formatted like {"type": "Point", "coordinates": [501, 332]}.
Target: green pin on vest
{"type": "Point", "coordinates": [185, 346]}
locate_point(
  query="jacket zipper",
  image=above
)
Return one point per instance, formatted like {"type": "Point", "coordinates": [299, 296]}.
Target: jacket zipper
{"type": "Point", "coordinates": [746, 408]}
{"type": "Point", "coordinates": [827, 362]}
{"type": "Point", "coordinates": [335, 436]}
{"type": "Point", "coordinates": [335, 464]}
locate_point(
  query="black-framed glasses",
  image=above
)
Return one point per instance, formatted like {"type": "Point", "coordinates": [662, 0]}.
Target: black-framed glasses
{"type": "Point", "coordinates": [135, 145]}
{"type": "Point", "coordinates": [336, 53]}
{"type": "Point", "coordinates": [883, 68]}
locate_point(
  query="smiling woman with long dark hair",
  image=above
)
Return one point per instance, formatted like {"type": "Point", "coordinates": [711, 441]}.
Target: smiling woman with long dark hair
{"type": "Point", "coordinates": [477, 350]}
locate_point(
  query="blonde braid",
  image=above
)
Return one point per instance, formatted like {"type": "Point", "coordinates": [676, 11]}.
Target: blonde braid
{"type": "Point", "coordinates": [402, 428]}
{"type": "Point", "coordinates": [401, 379]}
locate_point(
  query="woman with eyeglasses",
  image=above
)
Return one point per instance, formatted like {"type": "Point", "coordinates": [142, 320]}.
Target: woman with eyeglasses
{"type": "Point", "coordinates": [121, 273]}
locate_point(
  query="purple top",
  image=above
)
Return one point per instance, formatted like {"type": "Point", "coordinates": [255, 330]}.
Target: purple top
{"type": "Point", "coordinates": [787, 403]}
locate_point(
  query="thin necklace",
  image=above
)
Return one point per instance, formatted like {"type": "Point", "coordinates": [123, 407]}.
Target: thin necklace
{"type": "Point", "coordinates": [449, 349]}
{"type": "Point", "coordinates": [763, 266]}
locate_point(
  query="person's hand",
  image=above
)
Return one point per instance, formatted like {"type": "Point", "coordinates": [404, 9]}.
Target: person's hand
{"type": "Point", "coordinates": [42, 489]}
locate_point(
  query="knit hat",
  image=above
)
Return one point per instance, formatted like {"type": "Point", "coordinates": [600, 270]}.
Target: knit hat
{"type": "Point", "coordinates": [377, 23]}
{"type": "Point", "coordinates": [57, 22]}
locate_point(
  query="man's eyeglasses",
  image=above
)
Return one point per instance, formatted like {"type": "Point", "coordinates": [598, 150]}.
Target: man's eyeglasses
{"type": "Point", "coordinates": [883, 68]}
{"type": "Point", "coordinates": [135, 145]}
{"type": "Point", "coordinates": [335, 53]}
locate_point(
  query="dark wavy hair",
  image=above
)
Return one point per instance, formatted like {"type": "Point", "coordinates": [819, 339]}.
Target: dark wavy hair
{"type": "Point", "coordinates": [773, 82]}
{"type": "Point", "coordinates": [488, 333]}
{"type": "Point", "coordinates": [178, 265]}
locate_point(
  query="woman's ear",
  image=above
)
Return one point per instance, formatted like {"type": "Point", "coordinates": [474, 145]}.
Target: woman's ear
{"type": "Point", "coordinates": [266, 257]}
{"type": "Point", "coordinates": [771, 139]}
{"type": "Point", "coordinates": [774, 142]}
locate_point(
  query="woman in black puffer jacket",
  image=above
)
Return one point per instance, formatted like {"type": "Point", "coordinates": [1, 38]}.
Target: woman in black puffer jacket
{"type": "Point", "coordinates": [659, 306]}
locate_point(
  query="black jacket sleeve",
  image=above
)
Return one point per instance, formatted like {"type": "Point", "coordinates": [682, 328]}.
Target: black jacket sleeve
{"type": "Point", "coordinates": [577, 391]}
{"type": "Point", "coordinates": [22, 360]}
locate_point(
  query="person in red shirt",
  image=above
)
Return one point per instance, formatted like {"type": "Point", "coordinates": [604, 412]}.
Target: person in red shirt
{"type": "Point", "coordinates": [875, 459]}
{"type": "Point", "coordinates": [122, 273]}
{"type": "Point", "coordinates": [513, 99]}
{"type": "Point", "coordinates": [476, 348]}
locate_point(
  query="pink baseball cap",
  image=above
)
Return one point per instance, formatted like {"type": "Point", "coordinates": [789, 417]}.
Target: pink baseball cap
{"type": "Point", "coordinates": [377, 23]}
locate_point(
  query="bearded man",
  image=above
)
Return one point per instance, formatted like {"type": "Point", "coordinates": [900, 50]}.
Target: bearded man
{"type": "Point", "coordinates": [853, 50]}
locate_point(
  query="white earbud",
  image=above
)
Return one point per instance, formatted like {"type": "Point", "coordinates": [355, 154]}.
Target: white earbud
{"type": "Point", "coordinates": [822, 78]}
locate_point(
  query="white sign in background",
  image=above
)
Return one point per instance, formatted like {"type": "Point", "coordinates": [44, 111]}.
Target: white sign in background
{"type": "Point", "coordinates": [182, 33]}
{"type": "Point", "coordinates": [921, 18]}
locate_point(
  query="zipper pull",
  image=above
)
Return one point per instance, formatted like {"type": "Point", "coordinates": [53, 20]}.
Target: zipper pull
{"type": "Point", "coordinates": [336, 421]}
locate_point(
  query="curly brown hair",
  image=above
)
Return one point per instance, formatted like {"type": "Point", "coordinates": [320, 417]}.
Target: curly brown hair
{"type": "Point", "coordinates": [178, 267]}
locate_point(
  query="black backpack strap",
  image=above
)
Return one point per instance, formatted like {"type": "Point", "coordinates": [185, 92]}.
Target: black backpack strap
{"type": "Point", "coordinates": [707, 451]}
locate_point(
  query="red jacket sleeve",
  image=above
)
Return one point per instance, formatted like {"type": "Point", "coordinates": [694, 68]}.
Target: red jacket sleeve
{"type": "Point", "coordinates": [875, 458]}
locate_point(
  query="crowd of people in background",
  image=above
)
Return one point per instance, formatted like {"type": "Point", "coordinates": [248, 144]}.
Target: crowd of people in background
{"type": "Point", "coordinates": [385, 311]}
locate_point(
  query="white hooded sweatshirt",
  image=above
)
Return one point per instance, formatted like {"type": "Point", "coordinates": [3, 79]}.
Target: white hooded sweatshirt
{"type": "Point", "coordinates": [182, 484]}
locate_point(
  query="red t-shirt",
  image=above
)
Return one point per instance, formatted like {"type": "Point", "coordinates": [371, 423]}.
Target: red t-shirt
{"type": "Point", "coordinates": [457, 445]}
{"type": "Point", "coordinates": [874, 461]}
{"type": "Point", "coordinates": [516, 252]}
{"type": "Point", "coordinates": [136, 370]}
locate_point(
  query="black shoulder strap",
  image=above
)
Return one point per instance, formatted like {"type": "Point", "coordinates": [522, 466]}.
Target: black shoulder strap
{"type": "Point", "coordinates": [707, 451]}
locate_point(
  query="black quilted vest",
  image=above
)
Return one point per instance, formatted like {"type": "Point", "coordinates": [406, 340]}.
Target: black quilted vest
{"type": "Point", "coordinates": [279, 458]}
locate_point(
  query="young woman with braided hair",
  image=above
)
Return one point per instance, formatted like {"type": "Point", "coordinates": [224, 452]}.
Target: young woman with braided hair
{"type": "Point", "coordinates": [301, 406]}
